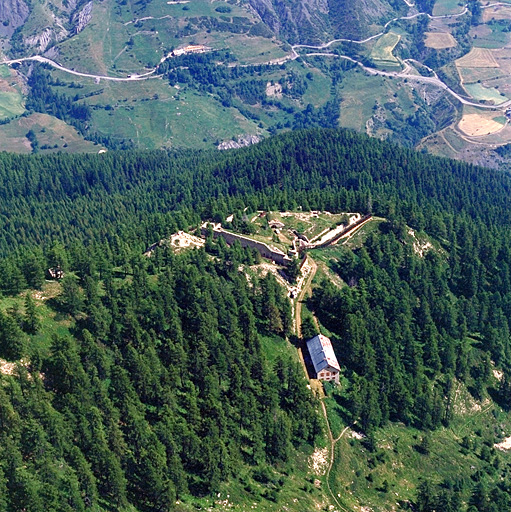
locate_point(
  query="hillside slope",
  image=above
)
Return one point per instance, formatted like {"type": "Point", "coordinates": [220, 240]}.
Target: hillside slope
{"type": "Point", "coordinates": [157, 383]}
{"type": "Point", "coordinates": [214, 74]}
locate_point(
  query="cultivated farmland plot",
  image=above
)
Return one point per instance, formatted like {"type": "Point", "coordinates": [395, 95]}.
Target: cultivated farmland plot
{"type": "Point", "coordinates": [440, 40]}
{"type": "Point", "coordinates": [382, 51]}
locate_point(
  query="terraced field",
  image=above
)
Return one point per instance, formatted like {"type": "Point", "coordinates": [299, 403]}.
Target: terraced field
{"type": "Point", "coordinates": [382, 51]}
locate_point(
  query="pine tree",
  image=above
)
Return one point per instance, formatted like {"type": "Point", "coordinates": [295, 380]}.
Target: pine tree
{"type": "Point", "coordinates": [31, 323]}
{"type": "Point", "coordinates": [12, 340]}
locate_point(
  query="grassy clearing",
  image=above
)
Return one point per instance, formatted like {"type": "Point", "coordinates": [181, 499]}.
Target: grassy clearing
{"type": "Point", "coordinates": [49, 131]}
{"type": "Point", "coordinates": [52, 323]}
{"type": "Point", "coordinates": [360, 236]}
{"type": "Point", "coordinates": [337, 414]}
{"type": "Point", "coordinates": [437, 145]}
{"type": "Point", "coordinates": [392, 472]}
{"type": "Point", "coordinates": [193, 9]}
{"type": "Point", "coordinates": [275, 348]}
{"type": "Point", "coordinates": [471, 75]}
{"type": "Point", "coordinates": [443, 7]}
{"type": "Point", "coordinates": [186, 119]}
{"type": "Point", "coordinates": [454, 140]}
{"type": "Point", "coordinates": [496, 12]}
{"type": "Point", "coordinates": [252, 50]}
{"type": "Point", "coordinates": [283, 490]}
{"type": "Point", "coordinates": [360, 93]}
{"type": "Point", "coordinates": [478, 92]}
{"type": "Point", "coordinates": [318, 92]}
{"type": "Point", "coordinates": [94, 49]}
{"type": "Point", "coordinates": [494, 39]}
{"type": "Point", "coordinates": [39, 18]}
{"type": "Point", "coordinates": [5, 72]}
{"type": "Point", "coordinates": [11, 104]}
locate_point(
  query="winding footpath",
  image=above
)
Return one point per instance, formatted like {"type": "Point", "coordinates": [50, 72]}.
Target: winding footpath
{"type": "Point", "coordinates": [333, 442]}
{"type": "Point", "coordinates": [363, 41]}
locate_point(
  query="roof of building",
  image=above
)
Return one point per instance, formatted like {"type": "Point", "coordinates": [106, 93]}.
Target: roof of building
{"type": "Point", "coordinates": [322, 353]}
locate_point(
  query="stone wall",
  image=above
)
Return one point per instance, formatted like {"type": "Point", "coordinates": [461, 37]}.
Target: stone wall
{"type": "Point", "coordinates": [263, 249]}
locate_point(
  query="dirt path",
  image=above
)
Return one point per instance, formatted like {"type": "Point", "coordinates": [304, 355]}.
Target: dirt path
{"type": "Point", "coordinates": [363, 41]}
{"type": "Point", "coordinates": [305, 289]}
{"type": "Point", "coordinates": [413, 78]}
{"type": "Point", "coordinates": [448, 144]}
{"type": "Point", "coordinates": [332, 442]}
{"type": "Point", "coordinates": [404, 73]}
{"type": "Point", "coordinates": [355, 230]}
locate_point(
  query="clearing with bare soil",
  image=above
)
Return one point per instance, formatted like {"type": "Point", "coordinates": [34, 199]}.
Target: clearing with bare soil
{"type": "Point", "coordinates": [478, 58]}
{"type": "Point", "coordinates": [439, 40]}
{"type": "Point", "coordinates": [476, 125]}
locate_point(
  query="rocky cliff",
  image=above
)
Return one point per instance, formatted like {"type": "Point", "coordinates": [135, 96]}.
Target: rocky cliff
{"type": "Point", "coordinates": [13, 14]}
{"type": "Point", "coordinates": [302, 21]}
{"type": "Point", "coordinates": [313, 21]}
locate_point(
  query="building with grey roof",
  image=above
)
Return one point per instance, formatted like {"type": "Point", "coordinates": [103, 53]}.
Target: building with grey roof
{"type": "Point", "coordinates": [323, 358]}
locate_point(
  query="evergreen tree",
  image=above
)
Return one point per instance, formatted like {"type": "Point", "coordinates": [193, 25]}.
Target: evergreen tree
{"type": "Point", "coordinates": [31, 323]}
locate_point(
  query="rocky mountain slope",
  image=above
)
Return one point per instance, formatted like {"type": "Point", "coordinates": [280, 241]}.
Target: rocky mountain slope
{"type": "Point", "coordinates": [307, 21]}
{"type": "Point", "coordinates": [13, 14]}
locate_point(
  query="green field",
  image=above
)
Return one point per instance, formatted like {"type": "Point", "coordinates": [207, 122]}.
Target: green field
{"type": "Point", "coordinates": [360, 93]}
{"type": "Point", "coordinates": [4, 71]}
{"type": "Point", "coordinates": [443, 7]}
{"type": "Point", "coordinates": [120, 40]}
{"type": "Point", "coordinates": [497, 39]}
{"type": "Point", "coordinates": [49, 131]}
{"type": "Point", "coordinates": [193, 9]}
{"type": "Point", "coordinates": [175, 119]}
{"type": "Point", "coordinates": [11, 104]}
{"type": "Point", "coordinates": [478, 92]}
{"type": "Point", "coordinates": [471, 75]}
{"type": "Point", "coordinates": [318, 92]}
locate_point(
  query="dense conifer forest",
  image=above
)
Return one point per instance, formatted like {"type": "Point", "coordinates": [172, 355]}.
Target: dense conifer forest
{"type": "Point", "coordinates": [163, 387]}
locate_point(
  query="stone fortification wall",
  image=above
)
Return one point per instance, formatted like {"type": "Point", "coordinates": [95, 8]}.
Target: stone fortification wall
{"type": "Point", "coordinates": [345, 232]}
{"type": "Point", "coordinates": [264, 250]}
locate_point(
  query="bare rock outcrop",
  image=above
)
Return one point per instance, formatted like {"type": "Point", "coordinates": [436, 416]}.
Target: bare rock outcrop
{"type": "Point", "coordinates": [13, 13]}
{"type": "Point", "coordinates": [42, 40]}
{"type": "Point", "coordinates": [81, 19]}
{"type": "Point", "coordinates": [314, 21]}
{"type": "Point", "coordinates": [244, 140]}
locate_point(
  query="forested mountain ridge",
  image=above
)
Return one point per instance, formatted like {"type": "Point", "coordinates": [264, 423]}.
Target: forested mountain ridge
{"type": "Point", "coordinates": [49, 197]}
{"type": "Point", "coordinates": [155, 380]}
